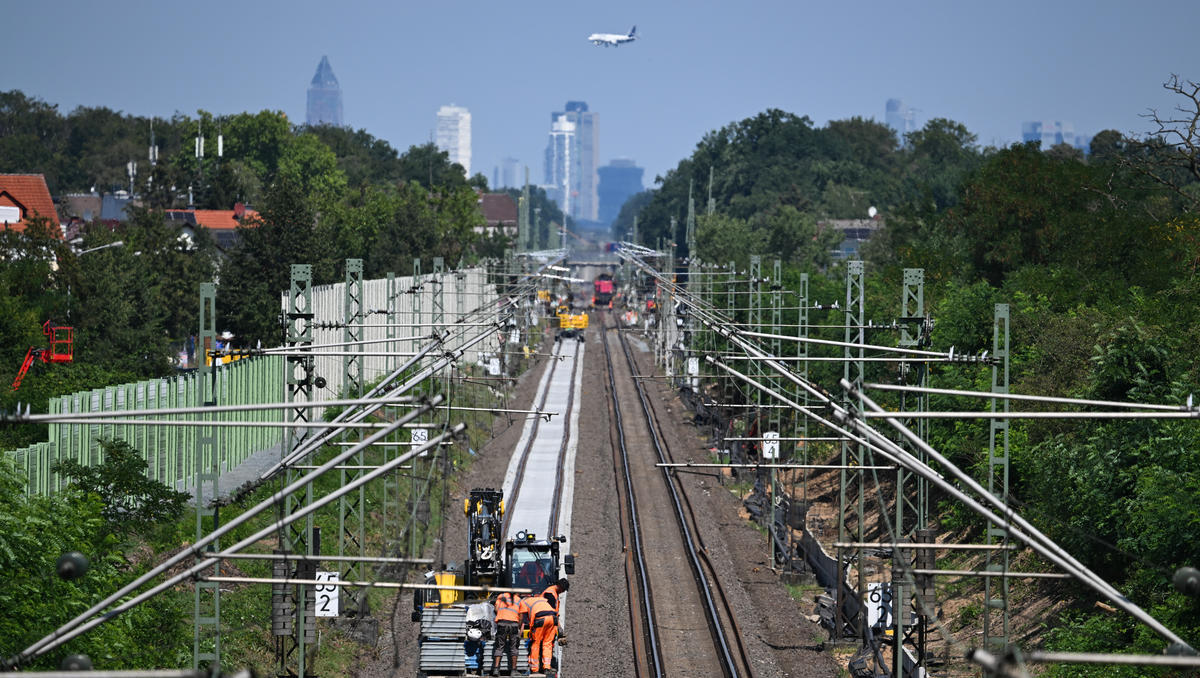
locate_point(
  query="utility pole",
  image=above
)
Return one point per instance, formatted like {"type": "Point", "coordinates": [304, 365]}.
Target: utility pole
{"type": "Point", "coordinates": [206, 620]}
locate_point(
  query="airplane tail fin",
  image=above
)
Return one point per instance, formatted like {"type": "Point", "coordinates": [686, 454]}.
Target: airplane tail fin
{"type": "Point", "coordinates": [632, 31]}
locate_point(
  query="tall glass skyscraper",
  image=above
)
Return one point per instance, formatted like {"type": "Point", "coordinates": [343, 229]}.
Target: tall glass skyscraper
{"type": "Point", "coordinates": [584, 154]}
{"type": "Point", "coordinates": [454, 134]}
{"type": "Point", "coordinates": [324, 97]}
{"type": "Point", "coordinates": [560, 163]}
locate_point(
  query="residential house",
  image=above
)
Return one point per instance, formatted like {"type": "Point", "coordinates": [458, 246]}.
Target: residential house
{"type": "Point", "coordinates": [500, 211]}
{"type": "Point", "coordinates": [23, 197]}
{"type": "Point", "coordinates": [222, 224]}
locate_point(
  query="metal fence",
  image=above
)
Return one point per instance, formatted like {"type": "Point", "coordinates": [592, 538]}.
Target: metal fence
{"type": "Point", "coordinates": [169, 451]}
{"type": "Point", "coordinates": [417, 305]}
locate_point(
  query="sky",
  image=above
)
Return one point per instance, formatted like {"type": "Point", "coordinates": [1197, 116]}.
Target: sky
{"type": "Point", "coordinates": [696, 66]}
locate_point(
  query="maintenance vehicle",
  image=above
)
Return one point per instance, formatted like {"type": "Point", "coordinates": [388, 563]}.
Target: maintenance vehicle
{"type": "Point", "coordinates": [455, 626]}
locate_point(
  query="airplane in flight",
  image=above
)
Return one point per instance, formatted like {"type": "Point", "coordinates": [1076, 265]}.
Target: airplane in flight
{"type": "Point", "coordinates": [613, 39]}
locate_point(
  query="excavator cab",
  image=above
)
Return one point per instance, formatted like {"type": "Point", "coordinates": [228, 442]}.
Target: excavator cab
{"type": "Point", "coordinates": [534, 563]}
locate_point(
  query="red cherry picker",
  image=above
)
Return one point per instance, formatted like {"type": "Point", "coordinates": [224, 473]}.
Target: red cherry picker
{"type": "Point", "coordinates": [61, 350]}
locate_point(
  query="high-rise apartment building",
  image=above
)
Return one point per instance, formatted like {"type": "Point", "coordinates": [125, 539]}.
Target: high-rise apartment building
{"type": "Point", "coordinates": [324, 97]}
{"type": "Point", "coordinates": [900, 118]}
{"type": "Point", "coordinates": [454, 134]}
{"type": "Point", "coordinates": [619, 180]}
{"type": "Point", "coordinates": [584, 153]}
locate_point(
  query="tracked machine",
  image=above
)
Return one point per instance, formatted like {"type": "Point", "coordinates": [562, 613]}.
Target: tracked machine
{"type": "Point", "coordinates": [455, 626]}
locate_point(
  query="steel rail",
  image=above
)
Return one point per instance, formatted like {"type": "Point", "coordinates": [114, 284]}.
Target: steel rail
{"type": "Point", "coordinates": [520, 474]}
{"type": "Point", "coordinates": [638, 551]}
{"type": "Point", "coordinates": [729, 667]}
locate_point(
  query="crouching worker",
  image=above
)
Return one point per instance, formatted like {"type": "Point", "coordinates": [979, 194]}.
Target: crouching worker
{"type": "Point", "coordinates": [542, 621]}
{"type": "Point", "coordinates": [508, 632]}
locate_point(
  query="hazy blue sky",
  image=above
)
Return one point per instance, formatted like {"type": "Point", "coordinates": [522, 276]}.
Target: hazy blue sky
{"type": "Point", "coordinates": [697, 66]}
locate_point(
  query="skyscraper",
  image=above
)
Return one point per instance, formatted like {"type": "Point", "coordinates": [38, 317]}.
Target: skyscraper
{"type": "Point", "coordinates": [324, 97]}
{"type": "Point", "coordinates": [454, 134]}
{"type": "Point", "coordinates": [560, 163]}
{"type": "Point", "coordinates": [619, 180]}
{"type": "Point", "coordinates": [900, 118]}
{"type": "Point", "coordinates": [510, 169]}
{"type": "Point", "coordinates": [584, 154]}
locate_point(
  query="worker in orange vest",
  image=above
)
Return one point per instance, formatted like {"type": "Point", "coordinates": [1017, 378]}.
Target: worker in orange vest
{"type": "Point", "coordinates": [542, 622]}
{"type": "Point", "coordinates": [557, 589]}
{"type": "Point", "coordinates": [508, 631]}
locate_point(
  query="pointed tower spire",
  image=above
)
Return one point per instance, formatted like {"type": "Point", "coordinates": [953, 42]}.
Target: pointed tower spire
{"type": "Point", "coordinates": [324, 97]}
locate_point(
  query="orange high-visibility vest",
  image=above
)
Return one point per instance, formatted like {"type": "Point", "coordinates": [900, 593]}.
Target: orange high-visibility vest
{"type": "Point", "coordinates": [541, 612]}
{"type": "Point", "coordinates": [507, 608]}
{"type": "Point", "coordinates": [553, 590]}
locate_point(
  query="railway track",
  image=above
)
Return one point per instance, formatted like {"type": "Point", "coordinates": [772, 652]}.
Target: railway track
{"type": "Point", "coordinates": [668, 612]}
{"type": "Point", "coordinates": [543, 455]}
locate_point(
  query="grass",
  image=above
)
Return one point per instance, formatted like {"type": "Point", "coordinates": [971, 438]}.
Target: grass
{"type": "Point", "coordinates": [804, 593]}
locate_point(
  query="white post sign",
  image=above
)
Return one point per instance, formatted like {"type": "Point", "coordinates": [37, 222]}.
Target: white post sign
{"type": "Point", "coordinates": [420, 436]}
{"type": "Point", "coordinates": [494, 366]}
{"type": "Point", "coordinates": [770, 445]}
{"type": "Point", "coordinates": [327, 596]}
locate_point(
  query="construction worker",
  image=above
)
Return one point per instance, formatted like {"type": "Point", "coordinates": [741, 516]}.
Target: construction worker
{"type": "Point", "coordinates": [556, 590]}
{"type": "Point", "coordinates": [508, 631]}
{"type": "Point", "coordinates": [542, 622]}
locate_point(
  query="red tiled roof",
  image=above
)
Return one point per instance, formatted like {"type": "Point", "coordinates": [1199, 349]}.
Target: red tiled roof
{"type": "Point", "coordinates": [498, 208]}
{"type": "Point", "coordinates": [217, 220]}
{"type": "Point", "coordinates": [28, 193]}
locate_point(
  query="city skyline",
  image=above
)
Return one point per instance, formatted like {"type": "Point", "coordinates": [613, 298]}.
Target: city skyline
{"type": "Point", "coordinates": [688, 74]}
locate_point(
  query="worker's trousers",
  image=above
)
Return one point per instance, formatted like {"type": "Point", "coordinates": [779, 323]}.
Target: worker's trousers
{"type": "Point", "coordinates": [541, 646]}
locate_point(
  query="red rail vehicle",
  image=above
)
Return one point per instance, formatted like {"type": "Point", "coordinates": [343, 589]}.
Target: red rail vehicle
{"type": "Point", "coordinates": [603, 290]}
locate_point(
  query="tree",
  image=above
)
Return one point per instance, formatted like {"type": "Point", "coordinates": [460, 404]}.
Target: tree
{"type": "Point", "coordinates": [939, 156]}
{"type": "Point", "coordinates": [429, 167]}
{"type": "Point", "coordinates": [259, 266]}
{"type": "Point", "coordinates": [131, 501]}
{"type": "Point", "coordinates": [622, 228]}
{"type": "Point", "coordinates": [1171, 154]}
{"type": "Point", "coordinates": [721, 238]}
